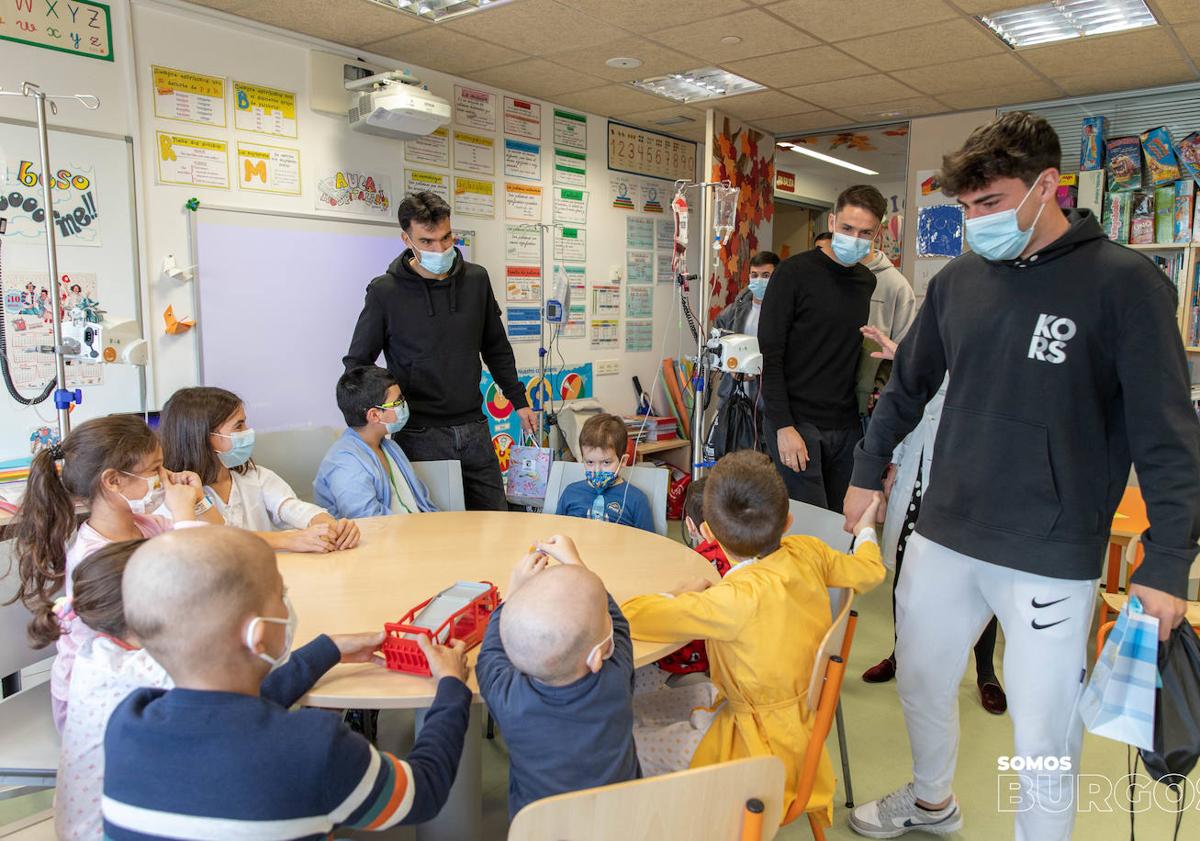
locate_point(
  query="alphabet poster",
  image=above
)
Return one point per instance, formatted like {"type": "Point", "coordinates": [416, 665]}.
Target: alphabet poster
{"type": "Point", "coordinates": [79, 27]}
{"type": "Point", "coordinates": [268, 169]}
{"type": "Point", "coordinates": [72, 190]}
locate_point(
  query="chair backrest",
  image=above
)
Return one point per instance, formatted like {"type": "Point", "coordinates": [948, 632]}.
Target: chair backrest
{"type": "Point", "coordinates": [652, 481]}
{"type": "Point", "coordinates": [443, 480]}
{"type": "Point", "coordinates": [699, 803]}
{"type": "Point", "coordinates": [15, 651]}
{"type": "Point", "coordinates": [819, 522]}
{"type": "Point", "coordinates": [295, 454]}
{"type": "Point", "coordinates": [831, 643]}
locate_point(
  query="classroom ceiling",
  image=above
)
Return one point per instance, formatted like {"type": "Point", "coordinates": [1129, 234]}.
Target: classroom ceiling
{"type": "Point", "coordinates": [826, 63]}
{"type": "Point", "coordinates": [881, 148]}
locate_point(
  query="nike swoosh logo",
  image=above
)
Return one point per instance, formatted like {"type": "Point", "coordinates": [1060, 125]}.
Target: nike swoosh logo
{"type": "Point", "coordinates": [1039, 605]}
{"type": "Point", "coordinates": [1039, 627]}
{"type": "Point", "coordinates": [911, 823]}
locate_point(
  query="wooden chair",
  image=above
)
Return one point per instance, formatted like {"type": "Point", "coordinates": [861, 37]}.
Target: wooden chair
{"type": "Point", "coordinates": [826, 525]}
{"type": "Point", "coordinates": [28, 739]}
{"type": "Point", "coordinates": [652, 481]}
{"type": "Point", "coordinates": [824, 689]}
{"type": "Point", "coordinates": [443, 480]}
{"type": "Point", "coordinates": [706, 803]}
{"type": "Point", "coordinates": [1115, 602]}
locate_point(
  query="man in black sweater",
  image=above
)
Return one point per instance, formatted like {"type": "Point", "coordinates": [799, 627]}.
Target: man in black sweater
{"type": "Point", "coordinates": [433, 315]}
{"type": "Point", "coordinates": [810, 340]}
{"type": "Point", "coordinates": [1066, 361]}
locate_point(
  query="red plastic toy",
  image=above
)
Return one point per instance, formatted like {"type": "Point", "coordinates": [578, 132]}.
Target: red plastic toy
{"type": "Point", "coordinates": [441, 620]}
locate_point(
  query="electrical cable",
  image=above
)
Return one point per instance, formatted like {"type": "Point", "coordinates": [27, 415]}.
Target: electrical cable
{"type": "Point", "coordinates": [13, 391]}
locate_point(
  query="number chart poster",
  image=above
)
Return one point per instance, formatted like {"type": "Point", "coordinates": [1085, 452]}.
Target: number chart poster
{"type": "Point", "coordinates": [569, 383]}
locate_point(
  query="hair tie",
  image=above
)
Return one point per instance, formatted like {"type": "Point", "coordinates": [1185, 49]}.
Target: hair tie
{"type": "Point", "coordinates": [64, 608]}
{"type": "Point", "coordinates": [56, 451]}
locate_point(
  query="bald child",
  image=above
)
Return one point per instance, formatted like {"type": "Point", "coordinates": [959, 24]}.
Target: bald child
{"type": "Point", "coordinates": [556, 672]}
{"type": "Point", "coordinates": [214, 758]}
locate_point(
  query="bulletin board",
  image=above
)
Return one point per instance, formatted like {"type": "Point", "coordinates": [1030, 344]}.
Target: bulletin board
{"type": "Point", "coordinates": [97, 251]}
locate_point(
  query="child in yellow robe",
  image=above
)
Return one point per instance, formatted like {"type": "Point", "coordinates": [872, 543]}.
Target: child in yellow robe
{"type": "Point", "coordinates": [763, 622]}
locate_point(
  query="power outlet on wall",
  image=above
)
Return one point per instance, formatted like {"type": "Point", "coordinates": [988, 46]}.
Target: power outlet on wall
{"type": "Point", "coordinates": [616, 273]}
{"type": "Point", "coordinates": [607, 367]}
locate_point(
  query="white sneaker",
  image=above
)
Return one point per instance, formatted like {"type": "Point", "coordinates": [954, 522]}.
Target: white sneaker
{"type": "Point", "coordinates": [898, 814]}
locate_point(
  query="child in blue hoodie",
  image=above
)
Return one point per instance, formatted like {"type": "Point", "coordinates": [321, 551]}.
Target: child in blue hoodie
{"type": "Point", "coordinates": [365, 473]}
{"type": "Point", "coordinates": [603, 494]}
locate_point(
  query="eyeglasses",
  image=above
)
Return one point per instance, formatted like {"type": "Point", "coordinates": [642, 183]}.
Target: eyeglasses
{"type": "Point", "coordinates": [395, 404]}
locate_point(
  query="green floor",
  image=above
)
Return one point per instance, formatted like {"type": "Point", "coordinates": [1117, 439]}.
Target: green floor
{"type": "Point", "coordinates": [880, 758]}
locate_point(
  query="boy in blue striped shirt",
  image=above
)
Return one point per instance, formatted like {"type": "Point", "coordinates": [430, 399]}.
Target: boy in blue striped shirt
{"type": "Point", "coordinates": [215, 757]}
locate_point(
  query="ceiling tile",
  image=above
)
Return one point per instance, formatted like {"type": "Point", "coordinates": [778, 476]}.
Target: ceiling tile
{"type": "Point", "coordinates": [982, 7]}
{"type": "Point", "coordinates": [649, 15]}
{"type": "Point", "coordinates": [754, 106]}
{"type": "Point", "coordinates": [656, 59]}
{"type": "Point", "coordinates": [649, 118]}
{"type": "Point", "coordinates": [894, 109]}
{"type": "Point", "coordinates": [1110, 80]}
{"type": "Point", "coordinates": [352, 22]}
{"type": "Point", "coordinates": [441, 49]}
{"type": "Point", "coordinates": [760, 33]}
{"type": "Point", "coordinates": [968, 75]}
{"type": "Point", "coordinates": [539, 26]}
{"type": "Point", "coordinates": [1104, 53]}
{"type": "Point", "coordinates": [1002, 95]}
{"type": "Point", "coordinates": [1175, 11]}
{"type": "Point", "coordinates": [837, 20]}
{"type": "Point", "coordinates": [1189, 36]}
{"type": "Point", "coordinates": [857, 91]}
{"type": "Point", "coordinates": [948, 41]}
{"type": "Point", "coordinates": [815, 64]}
{"type": "Point", "coordinates": [612, 99]}
{"type": "Point", "coordinates": [536, 77]}
{"type": "Point", "coordinates": [797, 123]}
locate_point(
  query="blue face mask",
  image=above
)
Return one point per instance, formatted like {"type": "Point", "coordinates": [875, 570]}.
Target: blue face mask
{"type": "Point", "coordinates": [437, 262]}
{"type": "Point", "coordinates": [998, 236]}
{"type": "Point", "coordinates": [758, 286]}
{"type": "Point", "coordinates": [600, 480]}
{"type": "Point", "coordinates": [239, 453]}
{"type": "Point", "coordinates": [395, 426]}
{"type": "Point", "coordinates": [849, 250]}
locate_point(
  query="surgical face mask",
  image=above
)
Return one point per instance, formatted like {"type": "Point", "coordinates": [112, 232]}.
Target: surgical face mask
{"type": "Point", "coordinates": [155, 494]}
{"type": "Point", "coordinates": [401, 411]}
{"type": "Point", "coordinates": [849, 250]}
{"type": "Point", "coordinates": [289, 633]}
{"type": "Point", "coordinates": [998, 236]}
{"type": "Point", "coordinates": [758, 286]}
{"type": "Point", "coordinates": [239, 453]}
{"type": "Point", "coordinates": [601, 650]}
{"type": "Point", "coordinates": [436, 262]}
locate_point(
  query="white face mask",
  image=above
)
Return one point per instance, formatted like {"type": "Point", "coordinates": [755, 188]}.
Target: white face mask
{"type": "Point", "coordinates": [289, 634]}
{"type": "Point", "coordinates": [602, 650]}
{"type": "Point", "coordinates": [155, 494]}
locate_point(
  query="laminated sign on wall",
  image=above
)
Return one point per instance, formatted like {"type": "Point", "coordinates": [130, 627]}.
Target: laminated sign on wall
{"type": "Point", "coordinates": [73, 191]}
{"type": "Point", "coordinates": [351, 191]}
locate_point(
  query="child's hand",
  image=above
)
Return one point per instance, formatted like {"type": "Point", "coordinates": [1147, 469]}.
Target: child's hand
{"type": "Point", "coordinates": [180, 499]}
{"type": "Point", "coordinates": [868, 518]}
{"type": "Point", "coordinates": [445, 660]}
{"type": "Point", "coordinates": [527, 568]}
{"type": "Point", "coordinates": [562, 549]}
{"type": "Point", "coordinates": [185, 477]}
{"type": "Point", "coordinates": [359, 648]}
{"type": "Point", "coordinates": [887, 346]}
{"type": "Point", "coordinates": [695, 585]}
{"type": "Point", "coordinates": [317, 538]}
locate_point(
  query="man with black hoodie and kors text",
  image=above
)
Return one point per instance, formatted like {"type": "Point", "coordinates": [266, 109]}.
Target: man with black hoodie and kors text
{"type": "Point", "coordinates": [433, 315]}
{"type": "Point", "coordinates": [1067, 364]}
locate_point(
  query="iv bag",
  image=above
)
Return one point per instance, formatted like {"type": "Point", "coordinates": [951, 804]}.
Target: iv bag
{"type": "Point", "coordinates": [679, 208]}
{"type": "Point", "coordinates": [724, 213]}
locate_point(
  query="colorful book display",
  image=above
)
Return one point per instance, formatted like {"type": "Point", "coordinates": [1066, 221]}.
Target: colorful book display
{"type": "Point", "coordinates": [1124, 163]}
{"type": "Point", "coordinates": [1162, 167]}
{"type": "Point", "coordinates": [1189, 155]}
{"type": "Point", "coordinates": [1164, 214]}
{"type": "Point", "coordinates": [1091, 144]}
{"type": "Point", "coordinates": [1141, 223]}
{"type": "Point", "coordinates": [1185, 199]}
{"type": "Point", "coordinates": [1117, 209]}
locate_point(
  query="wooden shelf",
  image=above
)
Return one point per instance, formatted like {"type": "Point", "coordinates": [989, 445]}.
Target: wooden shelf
{"type": "Point", "coordinates": [1192, 349]}
{"type": "Point", "coordinates": [1162, 246]}
{"type": "Point", "coordinates": [647, 448]}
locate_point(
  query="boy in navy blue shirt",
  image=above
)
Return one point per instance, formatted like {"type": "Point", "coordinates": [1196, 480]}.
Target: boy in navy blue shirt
{"type": "Point", "coordinates": [214, 758]}
{"type": "Point", "coordinates": [556, 672]}
{"type": "Point", "coordinates": [603, 494]}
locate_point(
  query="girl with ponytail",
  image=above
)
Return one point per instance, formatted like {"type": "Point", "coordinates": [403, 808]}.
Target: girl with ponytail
{"type": "Point", "coordinates": [114, 465]}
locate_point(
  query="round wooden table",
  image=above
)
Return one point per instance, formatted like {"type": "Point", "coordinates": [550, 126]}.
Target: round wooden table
{"type": "Point", "coordinates": [404, 560]}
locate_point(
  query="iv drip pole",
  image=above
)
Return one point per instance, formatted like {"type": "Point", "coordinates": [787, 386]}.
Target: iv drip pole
{"type": "Point", "coordinates": [62, 397]}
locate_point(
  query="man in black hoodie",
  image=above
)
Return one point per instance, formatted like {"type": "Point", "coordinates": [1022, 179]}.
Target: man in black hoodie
{"type": "Point", "coordinates": [1067, 362]}
{"type": "Point", "coordinates": [433, 315]}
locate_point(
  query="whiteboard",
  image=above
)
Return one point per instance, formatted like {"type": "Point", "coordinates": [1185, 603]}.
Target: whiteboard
{"type": "Point", "coordinates": [110, 254]}
{"type": "Point", "coordinates": [278, 296]}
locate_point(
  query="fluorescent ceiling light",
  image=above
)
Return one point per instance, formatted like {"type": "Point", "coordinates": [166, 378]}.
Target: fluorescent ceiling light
{"type": "Point", "coordinates": [829, 159]}
{"type": "Point", "coordinates": [439, 10]}
{"type": "Point", "coordinates": [1061, 20]}
{"type": "Point", "coordinates": [697, 85]}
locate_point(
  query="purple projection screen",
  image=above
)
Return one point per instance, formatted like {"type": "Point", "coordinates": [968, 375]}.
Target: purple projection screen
{"type": "Point", "coordinates": [278, 297]}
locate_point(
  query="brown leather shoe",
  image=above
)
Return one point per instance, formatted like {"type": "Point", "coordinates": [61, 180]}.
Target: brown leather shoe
{"type": "Point", "coordinates": [992, 696]}
{"type": "Point", "coordinates": [881, 672]}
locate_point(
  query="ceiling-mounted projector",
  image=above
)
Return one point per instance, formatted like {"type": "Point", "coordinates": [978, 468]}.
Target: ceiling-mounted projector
{"type": "Point", "coordinates": [394, 105]}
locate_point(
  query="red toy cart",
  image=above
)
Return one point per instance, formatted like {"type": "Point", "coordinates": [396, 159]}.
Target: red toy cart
{"type": "Point", "coordinates": [460, 612]}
